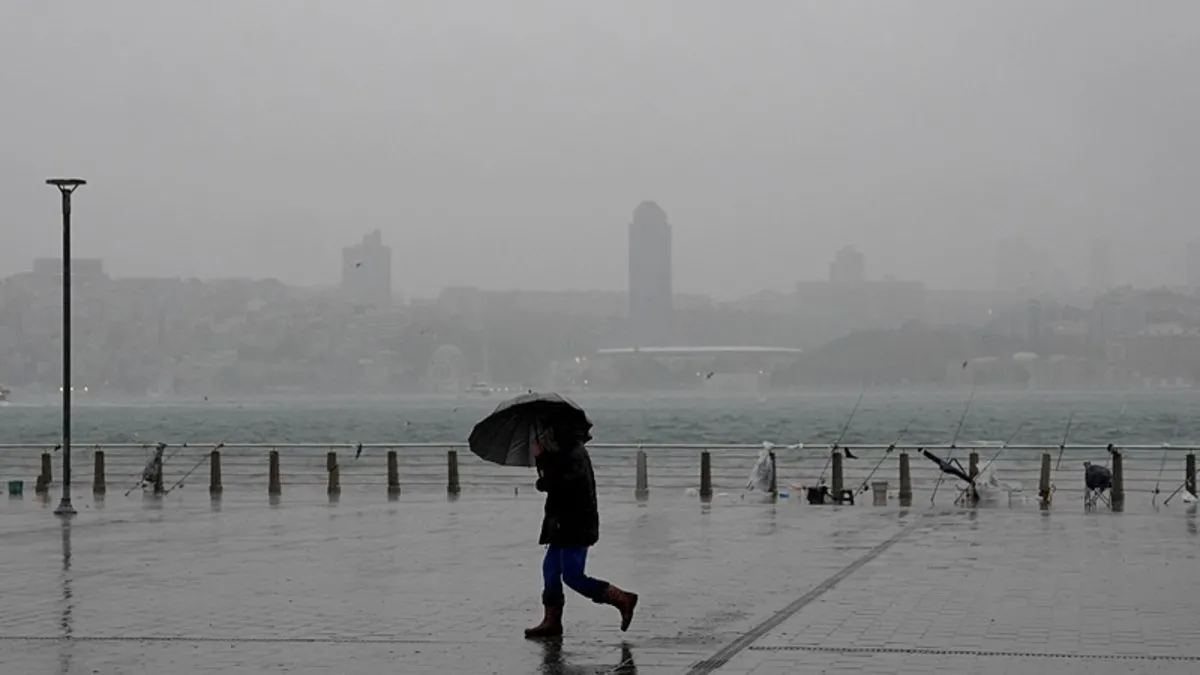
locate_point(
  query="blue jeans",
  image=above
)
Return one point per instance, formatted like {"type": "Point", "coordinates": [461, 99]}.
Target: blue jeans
{"type": "Point", "coordinates": [565, 564]}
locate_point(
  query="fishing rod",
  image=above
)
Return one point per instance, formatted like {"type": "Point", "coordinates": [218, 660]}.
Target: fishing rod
{"type": "Point", "coordinates": [954, 441]}
{"type": "Point", "coordinates": [842, 435]}
{"type": "Point", "coordinates": [179, 483]}
{"type": "Point", "coordinates": [1179, 489]}
{"type": "Point", "coordinates": [1112, 448]}
{"type": "Point", "coordinates": [142, 479]}
{"type": "Point", "coordinates": [888, 451]}
{"type": "Point", "coordinates": [1062, 447]}
{"type": "Point", "coordinates": [1163, 464]}
{"type": "Point", "coordinates": [988, 463]}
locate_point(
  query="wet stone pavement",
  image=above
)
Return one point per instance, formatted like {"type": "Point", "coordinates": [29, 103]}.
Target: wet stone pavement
{"type": "Point", "coordinates": [428, 585]}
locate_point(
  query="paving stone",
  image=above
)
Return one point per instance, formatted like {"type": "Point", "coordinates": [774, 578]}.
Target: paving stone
{"type": "Point", "coordinates": [428, 585]}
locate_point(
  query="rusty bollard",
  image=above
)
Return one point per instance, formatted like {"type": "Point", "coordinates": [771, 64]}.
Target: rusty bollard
{"type": "Point", "coordinates": [774, 488]}
{"type": "Point", "coordinates": [705, 475]}
{"type": "Point", "coordinates": [393, 473]}
{"type": "Point", "coordinates": [274, 484]}
{"type": "Point", "coordinates": [1044, 482]}
{"type": "Point", "coordinates": [906, 493]}
{"type": "Point", "coordinates": [452, 484]}
{"type": "Point", "coordinates": [334, 486]}
{"type": "Point", "coordinates": [47, 475]}
{"type": "Point", "coordinates": [98, 485]}
{"type": "Point", "coordinates": [839, 484]}
{"type": "Point", "coordinates": [1118, 482]}
{"type": "Point", "coordinates": [641, 488]}
{"type": "Point", "coordinates": [214, 473]}
{"type": "Point", "coordinates": [1189, 478]}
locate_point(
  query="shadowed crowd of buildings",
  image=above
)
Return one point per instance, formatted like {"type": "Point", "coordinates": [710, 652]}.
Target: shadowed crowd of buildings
{"type": "Point", "coordinates": [190, 337]}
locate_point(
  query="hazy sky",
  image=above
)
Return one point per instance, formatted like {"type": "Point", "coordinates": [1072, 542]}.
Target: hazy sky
{"type": "Point", "coordinates": [504, 143]}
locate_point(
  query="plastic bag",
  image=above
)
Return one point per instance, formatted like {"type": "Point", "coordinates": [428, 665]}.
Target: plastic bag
{"type": "Point", "coordinates": [763, 473]}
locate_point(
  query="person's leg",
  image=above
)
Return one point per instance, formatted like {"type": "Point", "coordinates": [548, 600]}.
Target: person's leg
{"type": "Point", "coordinates": [574, 560]}
{"type": "Point", "coordinates": [552, 596]}
{"type": "Point", "coordinates": [574, 564]}
{"type": "Point", "coordinates": [552, 577]}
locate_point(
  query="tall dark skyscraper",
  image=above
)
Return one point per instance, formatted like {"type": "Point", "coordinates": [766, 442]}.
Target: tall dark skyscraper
{"type": "Point", "coordinates": [849, 267]}
{"type": "Point", "coordinates": [650, 293]}
{"type": "Point", "coordinates": [367, 271]}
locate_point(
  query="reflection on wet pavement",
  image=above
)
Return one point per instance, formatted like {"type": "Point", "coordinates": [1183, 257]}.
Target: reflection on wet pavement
{"type": "Point", "coordinates": [426, 585]}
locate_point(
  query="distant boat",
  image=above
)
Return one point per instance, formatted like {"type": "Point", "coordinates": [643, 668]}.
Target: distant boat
{"type": "Point", "coordinates": [480, 387]}
{"type": "Point", "coordinates": [4, 392]}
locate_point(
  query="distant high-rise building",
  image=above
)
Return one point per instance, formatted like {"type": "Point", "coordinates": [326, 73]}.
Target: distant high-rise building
{"type": "Point", "coordinates": [1193, 264]}
{"type": "Point", "coordinates": [650, 294]}
{"type": "Point", "coordinates": [1100, 267]}
{"type": "Point", "coordinates": [367, 271]}
{"type": "Point", "coordinates": [849, 266]}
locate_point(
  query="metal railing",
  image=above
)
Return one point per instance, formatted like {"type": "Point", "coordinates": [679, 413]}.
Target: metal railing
{"type": "Point", "coordinates": [669, 466]}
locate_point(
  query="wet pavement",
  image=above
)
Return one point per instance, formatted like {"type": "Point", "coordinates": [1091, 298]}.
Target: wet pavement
{"type": "Point", "coordinates": [427, 585]}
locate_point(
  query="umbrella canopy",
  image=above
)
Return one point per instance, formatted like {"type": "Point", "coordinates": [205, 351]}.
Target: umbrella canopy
{"type": "Point", "coordinates": [947, 467]}
{"type": "Point", "coordinates": [507, 436]}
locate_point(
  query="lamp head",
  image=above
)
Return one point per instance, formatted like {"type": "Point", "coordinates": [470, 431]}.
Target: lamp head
{"type": "Point", "coordinates": [66, 184]}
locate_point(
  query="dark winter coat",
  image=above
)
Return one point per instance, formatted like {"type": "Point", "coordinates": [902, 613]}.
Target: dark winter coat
{"type": "Point", "coordinates": [572, 516]}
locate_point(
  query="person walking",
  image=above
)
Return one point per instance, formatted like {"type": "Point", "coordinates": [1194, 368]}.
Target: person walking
{"type": "Point", "coordinates": [570, 527]}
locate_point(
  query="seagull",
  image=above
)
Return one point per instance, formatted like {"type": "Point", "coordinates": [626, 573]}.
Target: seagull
{"type": "Point", "coordinates": [358, 264]}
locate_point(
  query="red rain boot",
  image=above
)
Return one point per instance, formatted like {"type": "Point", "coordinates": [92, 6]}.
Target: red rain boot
{"type": "Point", "coordinates": [551, 625]}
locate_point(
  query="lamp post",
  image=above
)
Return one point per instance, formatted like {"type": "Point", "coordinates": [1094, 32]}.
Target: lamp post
{"type": "Point", "coordinates": [66, 186]}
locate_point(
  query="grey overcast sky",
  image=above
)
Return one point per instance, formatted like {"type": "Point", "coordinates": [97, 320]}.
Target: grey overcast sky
{"type": "Point", "coordinates": [505, 143]}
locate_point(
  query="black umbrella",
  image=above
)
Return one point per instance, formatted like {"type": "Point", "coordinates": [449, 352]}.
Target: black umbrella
{"type": "Point", "coordinates": [947, 466]}
{"type": "Point", "coordinates": [506, 436]}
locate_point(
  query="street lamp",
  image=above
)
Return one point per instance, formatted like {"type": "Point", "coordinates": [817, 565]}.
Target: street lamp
{"type": "Point", "coordinates": [66, 186]}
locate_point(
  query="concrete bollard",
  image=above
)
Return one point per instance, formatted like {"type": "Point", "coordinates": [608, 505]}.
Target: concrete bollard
{"type": "Point", "coordinates": [879, 492]}
{"type": "Point", "coordinates": [1044, 481]}
{"type": "Point", "coordinates": [452, 485]}
{"type": "Point", "coordinates": [98, 485]}
{"type": "Point", "coordinates": [906, 493]}
{"type": "Point", "coordinates": [214, 473]}
{"type": "Point", "coordinates": [705, 475]}
{"type": "Point", "coordinates": [274, 485]}
{"type": "Point", "coordinates": [1118, 482]}
{"type": "Point", "coordinates": [1189, 479]}
{"type": "Point", "coordinates": [838, 478]}
{"type": "Point", "coordinates": [642, 485]}
{"type": "Point", "coordinates": [393, 473]}
{"type": "Point", "coordinates": [973, 465]}
{"type": "Point", "coordinates": [47, 476]}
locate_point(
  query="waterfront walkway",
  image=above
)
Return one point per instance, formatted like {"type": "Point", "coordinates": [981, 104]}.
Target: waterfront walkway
{"type": "Point", "coordinates": [427, 585]}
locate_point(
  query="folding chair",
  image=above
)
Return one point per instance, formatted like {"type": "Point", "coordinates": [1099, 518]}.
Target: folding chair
{"type": "Point", "coordinates": [1096, 480]}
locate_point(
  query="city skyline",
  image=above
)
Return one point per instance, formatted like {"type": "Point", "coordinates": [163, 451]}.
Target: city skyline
{"type": "Point", "coordinates": [503, 149]}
